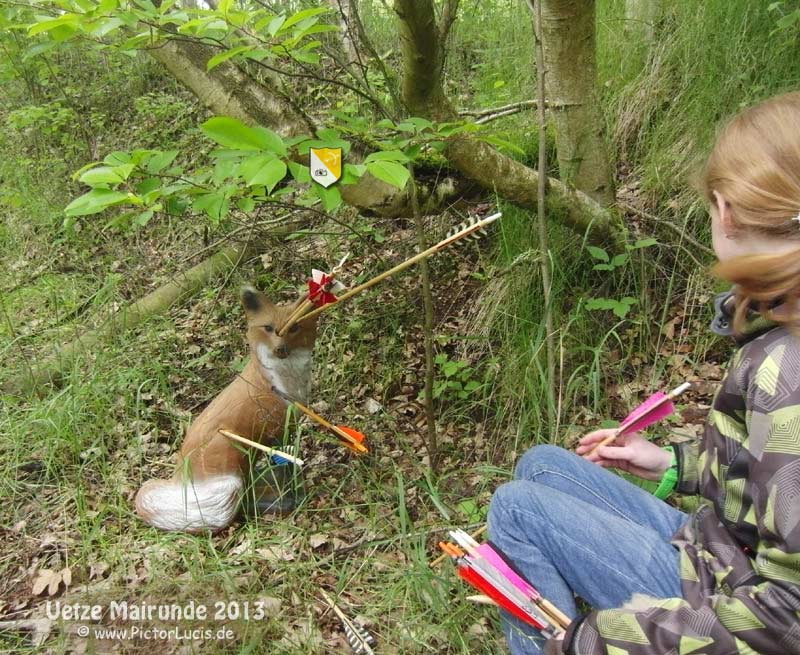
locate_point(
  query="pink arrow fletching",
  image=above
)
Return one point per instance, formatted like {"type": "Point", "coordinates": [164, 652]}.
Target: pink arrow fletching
{"type": "Point", "coordinates": [654, 409]}
{"type": "Point", "coordinates": [487, 552]}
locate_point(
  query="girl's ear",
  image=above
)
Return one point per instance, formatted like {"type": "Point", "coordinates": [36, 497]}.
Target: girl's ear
{"type": "Point", "coordinates": [724, 213]}
{"type": "Point", "coordinates": [254, 301]}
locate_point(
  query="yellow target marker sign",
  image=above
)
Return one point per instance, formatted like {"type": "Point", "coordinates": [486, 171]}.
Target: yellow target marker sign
{"type": "Point", "coordinates": [326, 165]}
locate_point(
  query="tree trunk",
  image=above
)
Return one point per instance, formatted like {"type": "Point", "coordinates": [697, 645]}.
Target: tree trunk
{"type": "Point", "coordinates": [568, 38]}
{"type": "Point", "coordinates": [228, 90]}
{"type": "Point", "coordinates": [511, 180]}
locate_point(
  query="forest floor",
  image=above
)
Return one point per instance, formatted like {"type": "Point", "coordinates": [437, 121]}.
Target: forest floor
{"type": "Point", "coordinates": [367, 527]}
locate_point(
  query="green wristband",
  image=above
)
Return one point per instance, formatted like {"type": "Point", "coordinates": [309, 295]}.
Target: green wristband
{"type": "Point", "coordinates": [670, 478]}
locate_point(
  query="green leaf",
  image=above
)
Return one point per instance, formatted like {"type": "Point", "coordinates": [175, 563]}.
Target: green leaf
{"type": "Point", "coordinates": [96, 201]}
{"type": "Point", "coordinates": [224, 169]}
{"type": "Point", "coordinates": [331, 198]}
{"type": "Point", "coordinates": [47, 23]}
{"type": "Point", "coordinates": [390, 172]}
{"type": "Point", "coordinates": [420, 123]}
{"type": "Point", "coordinates": [274, 25]}
{"type": "Point", "coordinates": [100, 176]}
{"type": "Point", "coordinates": [300, 173]}
{"type": "Point", "coordinates": [450, 368]}
{"type": "Point", "coordinates": [160, 161]}
{"type": "Point", "coordinates": [264, 170]}
{"type": "Point", "coordinates": [387, 155]}
{"type": "Point", "coordinates": [148, 186]}
{"type": "Point", "coordinates": [644, 243]}
{"type": "Point", "coordinates": [352, 173]}
{"type": "Point", "coordinates": [222, 57]}
{"type": "Point", "coordinates": [116, 158]}
{"type": "Point", "coordinates": [246, 204]}
{"type": "Point", "coordinates": [305, 57]}
{"type": "Point", "coordinates": [502, 143]}
{"type": "Point", "coordinates": [215, 205]}
{"type": "Point", "coordinates": [598, 253]}
{"type": "Point", "coordinates": [144, 218]}
{"type": "Point", "coordinates": [232, 133]}
{"type": "Point", "coordinates": [302, 15]}
{"type": "Point", "coordinates": [620, 260]}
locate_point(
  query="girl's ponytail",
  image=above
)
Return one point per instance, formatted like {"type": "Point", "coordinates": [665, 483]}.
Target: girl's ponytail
{"type": "Point", "coordinates": [768, 284]}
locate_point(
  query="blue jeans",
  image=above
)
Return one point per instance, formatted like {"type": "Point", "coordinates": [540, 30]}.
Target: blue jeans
{"type": "Point", "coordinates": [574, 528]}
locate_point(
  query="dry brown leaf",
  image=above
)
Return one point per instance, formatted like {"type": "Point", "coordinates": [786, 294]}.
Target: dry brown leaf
{"type": "Point", "coordinates": [275, 554]}
{"type": "Point", "coordinates": [317, 540]}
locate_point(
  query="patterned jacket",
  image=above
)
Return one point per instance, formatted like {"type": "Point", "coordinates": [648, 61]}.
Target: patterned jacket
{"type": "Point", "coordinates": [740, 552]}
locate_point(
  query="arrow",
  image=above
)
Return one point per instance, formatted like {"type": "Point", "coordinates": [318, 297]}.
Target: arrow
{"type": "Point", "coordinates": [654, 409]}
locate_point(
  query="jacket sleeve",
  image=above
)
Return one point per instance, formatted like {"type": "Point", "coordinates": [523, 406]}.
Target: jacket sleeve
{"type": "Point", "coordinates": [687, 453]}
{"type": "Point", "coordinates": [760, 612]}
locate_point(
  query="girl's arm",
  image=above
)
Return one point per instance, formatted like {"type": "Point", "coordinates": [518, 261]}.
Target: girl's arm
{"type": "Point", "coordinates": [750, 472]}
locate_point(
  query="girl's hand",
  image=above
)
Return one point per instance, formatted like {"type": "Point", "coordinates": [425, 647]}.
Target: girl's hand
{"type": "Point", "coordinates": [631, 453]}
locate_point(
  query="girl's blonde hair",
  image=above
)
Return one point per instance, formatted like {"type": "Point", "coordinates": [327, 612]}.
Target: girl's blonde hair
{"type": "Point", "coordinates": [755, 165]}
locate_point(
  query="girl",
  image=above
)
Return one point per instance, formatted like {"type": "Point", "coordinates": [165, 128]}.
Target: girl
{"type": "Point", "coordinates": [725, 579]}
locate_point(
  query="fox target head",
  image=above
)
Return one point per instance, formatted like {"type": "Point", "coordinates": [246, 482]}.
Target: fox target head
{"type": "Point", "coordinates": [265, 318]}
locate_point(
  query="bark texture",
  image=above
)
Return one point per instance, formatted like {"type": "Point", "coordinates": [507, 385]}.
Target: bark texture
{"type": "Point", "coordinates": [227, 90]}
{"type": "Point", "coordinates": [423, 95]}
{"type": "Point", "coordinates": [569, 42]}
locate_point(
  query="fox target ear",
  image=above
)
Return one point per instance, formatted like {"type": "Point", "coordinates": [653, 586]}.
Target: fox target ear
{"type": "Point", "coordinates": [253, 300]}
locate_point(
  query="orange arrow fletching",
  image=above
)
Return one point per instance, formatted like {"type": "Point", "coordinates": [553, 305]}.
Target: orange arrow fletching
{"type": "Point", "coordinates": [353, 439]}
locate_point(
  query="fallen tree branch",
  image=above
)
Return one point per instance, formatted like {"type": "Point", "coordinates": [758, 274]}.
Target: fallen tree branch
{"type": "Point", "coordinates": [512, 180]}
{"type": "Point", "coordinates": [184, 285]}
{"type": "Point", "coordinates": [514, 106]}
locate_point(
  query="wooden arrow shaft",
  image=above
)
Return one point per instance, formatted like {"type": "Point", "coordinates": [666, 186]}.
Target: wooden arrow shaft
{"type": "Point", "coordinates": [405, 264]}
{"type": "Point", "coordinates": [266, 449]}
{"type": "Point", "coordinates": [330, 426]}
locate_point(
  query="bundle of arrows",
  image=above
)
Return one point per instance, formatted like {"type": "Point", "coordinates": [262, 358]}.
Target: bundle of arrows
{"type": "Point", "coordinates": [323, 287]}
{"type": "Point", "coordinates": [485, 567]}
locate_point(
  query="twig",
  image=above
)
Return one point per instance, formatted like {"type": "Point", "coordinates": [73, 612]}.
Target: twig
{"type": "Point", "coordinates": [479, 113]}
{"type": "Point", "coordinates": [544, 262]}
{"type": "Point", "coordinates": [675, 228]}
{"type": "Point", "coordinates": [431, 443]}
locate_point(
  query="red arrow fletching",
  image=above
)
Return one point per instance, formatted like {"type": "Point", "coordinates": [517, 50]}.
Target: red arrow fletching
{"type": "Point", "coordinates": [481, 584]}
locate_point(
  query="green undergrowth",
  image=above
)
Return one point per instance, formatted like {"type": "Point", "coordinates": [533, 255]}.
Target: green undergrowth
{"type": "Point", "coordinates": [628, 322]}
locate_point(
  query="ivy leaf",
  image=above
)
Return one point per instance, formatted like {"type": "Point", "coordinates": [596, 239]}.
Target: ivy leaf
{"type": "Point", "coordinates": [232, 133]}
{"type": "Point", "coordinates": [263, 170]}
{"type": "Point", "coordinates": [390, 172]}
